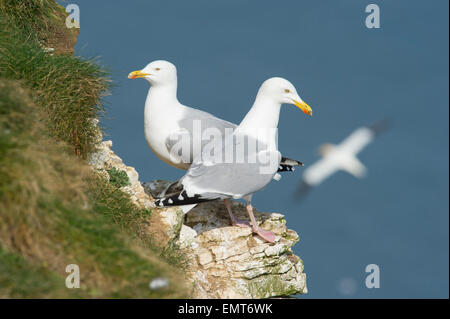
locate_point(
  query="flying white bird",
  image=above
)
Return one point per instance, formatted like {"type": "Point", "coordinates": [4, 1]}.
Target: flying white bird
{"type": "Point", "coordinates": [341, 157]}
{"type": "Point", "coordinates": [215, 179]}
{"type": "Point", "coordinates": [167, 121]}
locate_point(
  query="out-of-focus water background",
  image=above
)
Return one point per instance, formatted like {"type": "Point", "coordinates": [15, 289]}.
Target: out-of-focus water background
{"type": "Point", "coordinates": [351, 76]}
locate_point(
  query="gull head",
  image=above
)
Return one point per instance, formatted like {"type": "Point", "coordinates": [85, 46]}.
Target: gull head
{"type": "Point", "coordinates": [282, 91]}
{"type": "Point", "coordinates": [325, 149]}
{"type": "Point", "coordinates": [158, 72]}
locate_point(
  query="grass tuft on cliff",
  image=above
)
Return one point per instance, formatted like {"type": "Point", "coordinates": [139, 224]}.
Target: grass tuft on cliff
{"type": "Point", "coordinates": [118, 178]}
{"type": "Point", "coordinates": [68, 88]}
{"type": "Point", "coordinates": [54, 210]}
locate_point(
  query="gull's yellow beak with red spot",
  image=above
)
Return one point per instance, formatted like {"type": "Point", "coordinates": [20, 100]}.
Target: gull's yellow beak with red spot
{"type": "Point", "coordinates": [303, 106]}
{"type": "Point", "coordinates": [137, 74]}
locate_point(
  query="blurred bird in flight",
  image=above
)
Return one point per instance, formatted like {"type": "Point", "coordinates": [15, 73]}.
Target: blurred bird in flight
{"type": "Point", "coordinates": [341, 157]}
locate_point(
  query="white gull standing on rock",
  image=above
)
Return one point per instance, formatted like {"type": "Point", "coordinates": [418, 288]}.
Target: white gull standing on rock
{"type": "Point", "coordinates": [212, 178]}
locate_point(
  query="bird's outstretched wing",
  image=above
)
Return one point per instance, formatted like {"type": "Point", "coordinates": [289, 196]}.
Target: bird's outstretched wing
{"type": "Point", "coordinates": [357, 140]}
{"type": "Point", "coordinates": [320, 170]}
{"type": "Point", "coordinates": [327, 166]}
{"type": "Point", "coordinates": [353, 166]}
{"type": "Point", "coordinates": [344, 159]}
{"type": "Point", "coordinates": [361, 137]}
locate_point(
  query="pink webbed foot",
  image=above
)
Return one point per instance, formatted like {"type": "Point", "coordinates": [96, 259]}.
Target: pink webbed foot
{"type": "Point", "coordinates": [264, 234]}
{"type": "Point", "coordinates": [239, 223]}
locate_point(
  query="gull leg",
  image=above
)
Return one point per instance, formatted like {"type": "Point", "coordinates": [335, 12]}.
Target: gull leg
{"type": "Point", "coordinates": [264, 234]}
{"type": "Point", "coordinates": [234, 220]}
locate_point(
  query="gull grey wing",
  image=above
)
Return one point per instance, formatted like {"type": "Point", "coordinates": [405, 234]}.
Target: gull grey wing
{"type": "Point", "coordinates": [202, 121]}
{"type": "Point", "coordinates": [233, 180]}
{"type": "Point", "coordinates": [198, 125]}
{"type": "Point", "coordinates": [179, 146]}
{"type": "Point", "coordinates": [210, 181]}
{"type": "Point", "coordinates": [203, 125]}
{"type": "Point", "coordinates": [247, 173]}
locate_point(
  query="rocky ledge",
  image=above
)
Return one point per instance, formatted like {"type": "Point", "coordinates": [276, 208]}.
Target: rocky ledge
{"type": "Point", "coordinates": [225, 261]}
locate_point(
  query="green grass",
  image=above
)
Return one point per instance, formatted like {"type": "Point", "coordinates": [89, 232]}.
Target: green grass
{"type": "Point", "coordinates": [34, 17]}
{"type": "Point", "coordinates": [28, 280]}
{"type": "Point", "coordinates": [118, 178]}
{"type": "Point", "coordinates": [54, 210]}
{"type": "Point", "coordinates": [39, 21]}
{"type": "Point", "coordinates": [69, 89]}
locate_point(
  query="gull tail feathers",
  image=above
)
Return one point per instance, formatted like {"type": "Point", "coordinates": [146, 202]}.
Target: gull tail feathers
{"type": "Point", "coordinates": [180, 198]}
{"type": "Point", "coordinates": [288, 165]}
{"type": "Point", "coordinates": [285, 168]}
{"type": "Point", "coordinates": [290, 162]}
{"type": "Point", "coordinates": [173, 189]}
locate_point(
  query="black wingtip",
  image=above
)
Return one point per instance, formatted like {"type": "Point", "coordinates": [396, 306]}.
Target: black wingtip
{"type": "Point", "coordinates": [290, 162]}
{"type": "Point", "coordinates": [302, 191]}
{"type": "Point", "coordinates": [288, 165]}
{"type": "Point", "coordinates": [381, 126]}
{"type": "Point", "coordinates": [285, 168]}
{"type": "Point", "coordinates": [180, 199]}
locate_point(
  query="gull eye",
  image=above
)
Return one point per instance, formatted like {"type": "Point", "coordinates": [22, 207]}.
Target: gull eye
{"type": "Point", "coordinates": [287, 91]}
{"type": "Point", "coordinates": [157, 69]}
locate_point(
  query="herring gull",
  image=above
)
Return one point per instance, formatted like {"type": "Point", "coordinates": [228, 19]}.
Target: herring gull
{"type": "Point", "coordinates": [210, 178]}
